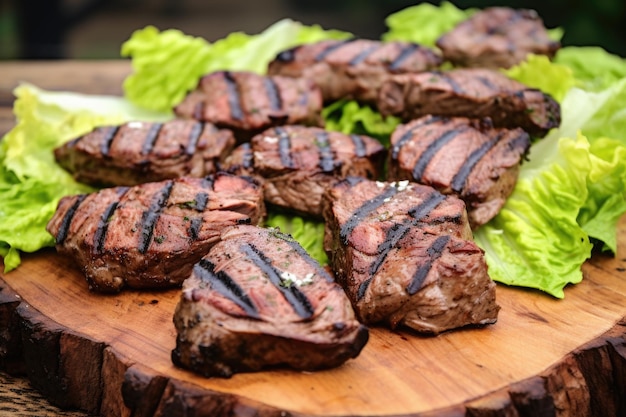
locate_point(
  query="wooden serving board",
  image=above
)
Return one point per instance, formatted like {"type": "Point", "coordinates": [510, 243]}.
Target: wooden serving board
{"type": "Point", "coordinates": [110, 354]}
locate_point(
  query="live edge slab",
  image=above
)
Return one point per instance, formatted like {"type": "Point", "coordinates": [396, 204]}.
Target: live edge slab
{"type": "Point", "coordinates": [110, 354]}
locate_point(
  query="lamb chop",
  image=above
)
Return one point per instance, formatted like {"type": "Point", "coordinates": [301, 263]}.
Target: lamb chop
{"type": "Point", "coordinates": [249, 103]}
{"type": "Point", "coordinates": [138, 152]}
{"type": "Point", "coordinates": [497, 37]}
{"type": "Point", "coordinates": [465, 157]}
{"type": "Point", "coordinates": [470, 92]}
{"type": "Point", "coordinates": [405, 256]}
{"type": "Point", "coordinates": [149, 236]}
{"type": "Point", "coordinates": [257, 300]}
{"type": "Point", "coordinates": [296, 163]}
{"type": "Point", "coordinates": [353, 68]}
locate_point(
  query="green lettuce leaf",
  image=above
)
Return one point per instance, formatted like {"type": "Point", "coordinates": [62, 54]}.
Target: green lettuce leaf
{"type": "Point", "coordinates": [593, 66]}
{"type": "Point", "coordinates": [308, 232]}
{"type": "Point", "coordinates": [31, 182]}
{"type": "Point", "coordinates": [424, 23]}
{"type": "Point", "coordinates": [348, 116]}
{"type": "Point", "coordinates": [168, 64]}
{"type": "Point", "coordinates": [535, 240]}
{"type": "Point", "coordinates": [607, 192]}
{"type": "Point", "coordinates": [570, 192]}
{"type": "Point", "coordinates": [539, 72]}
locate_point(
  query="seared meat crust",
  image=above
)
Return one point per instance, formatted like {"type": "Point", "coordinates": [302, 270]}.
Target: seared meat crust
{"type": "Point", "coordinates": [138, 152]}
{"type": "Point", "coordinates": [460, 156]}
{"type": "Point", "coordinates": [296, 164]}
{"type": "Point", "coordinates": [472, 92]}
{"type": "Point", "coordinates": [405, 256]}
{"type": "Point", "coordinates": [257, 300]}
{"type": "Point", "coordinates": [150, 235]}
{"type": "Point", "coordinates": [249, 103]}
{"type": "Point", "coordinates": [353, 68]}
{"type": "Point", "coordinates": [497, 37]}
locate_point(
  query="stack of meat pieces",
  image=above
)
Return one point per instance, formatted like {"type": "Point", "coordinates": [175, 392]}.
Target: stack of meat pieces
{"type": "Point", "coordinates": [188, 197]}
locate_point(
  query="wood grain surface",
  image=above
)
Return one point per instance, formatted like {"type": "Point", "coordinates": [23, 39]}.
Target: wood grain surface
{"type": "Point", "coordinates": [110, 354]}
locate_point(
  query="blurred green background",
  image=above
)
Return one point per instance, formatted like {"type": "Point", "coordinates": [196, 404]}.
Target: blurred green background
{"type": "Point", "coordinates": [95, 29]}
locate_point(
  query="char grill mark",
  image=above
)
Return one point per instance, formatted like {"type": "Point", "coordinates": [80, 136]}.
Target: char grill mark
{"type": "Point", "coordinates": [459, 179]}
{"type": "Point", "coordinates": [395, 149]}
{"type": "Point", "coordinates": [226, 286]}
{"type": "Point", "coordinates": [107, 140]}
{"type": "Point", "coordinates": [404, 54]}
{"type": "Point", "coordinates": [276, 102]}
{"type": "Point", "coordinates": [234, 98]}
{"type": "Point", "coordinates": [101, 231]}
{"type": "Point", "coordinates": [427, 206]}
{"type": "Point", "coordinates": [359, 146]}
{"type": "Point", "coordinates": [398, 231]}
{"type": "Point", "coordinates": [194, 228]}
{"type": "Point", "coordinates": [287, 55]}
{"type": "Point", "coordinates": [198, 110]}
{"type": "Point", "coordinates": [67, 219]}
{"type": "Point", "coordinates": [194, 136]}
{"type": "Point", "coordinates": [392, 237]}
{"type": "Point", "coordinates": [363, 211]}
{"type": "Point", "coordinates": [284, 147]}
{"type": "Point", "coordinates": [247, 155]}
{"type": "Point", "coordinates": [362, 56]}
{"type": "Point", "coordinates": [432, 149]}
{"type": "Point", "coordinates": [151, 138]}
{"type": "Point", "coordinates": [296, 298]}
{"type": "Point", "coordinates": [201, 200]}
{"type": "Point", "coordinates": [331, 48]}
{"type": "Point", "coordinates": [487, 83]}
{"type": "Point", "coordinates": [199, 203]}
{"type": "Point", "coordinates": [456, 87]}
{"type": "Point", "coordinates": [327, 163]}
{"type": "Point", "coordinates": [434, 252]}
{"type": "Point", "coordinates": [150, 217]}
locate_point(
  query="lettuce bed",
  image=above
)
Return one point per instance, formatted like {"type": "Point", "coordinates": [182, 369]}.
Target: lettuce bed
{"type": "Point", "coordinates": [570, 195]}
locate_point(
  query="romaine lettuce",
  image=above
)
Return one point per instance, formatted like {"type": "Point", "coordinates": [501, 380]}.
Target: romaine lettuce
{"type": "Point", "coordinates": [168, 64]}
{"type": "Point", "coordinates": [31, 182]}
{"type": "Point", "coordinates": [570, 193]}
{"type": "Point", "coordinates": [348, 116]}
{"type": "Point", "coordinates": [424, 23]}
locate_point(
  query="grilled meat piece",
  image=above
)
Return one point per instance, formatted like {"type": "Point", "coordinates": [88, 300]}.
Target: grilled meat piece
{"type": "Point", "coordinates": [139, 152]}
{"type": "Point", "coordinates": [249, 103]}
{"type": "Point", "coordinates": [460, 156]}
{"type": "Point", "coordinates": [297, 163]}
{"type": "Point", "coordinates": [470, 92]}
{"type": "Point", "coordinates": [150, 235]}
{"type": "Point", "coordinates": [353, 68]}
{"type": "Point", "coordinates": [497, 37]}
{"type": "Point", "coordinates": [405, 256]}
{"type": "Point", "coordinates": [257, 300]}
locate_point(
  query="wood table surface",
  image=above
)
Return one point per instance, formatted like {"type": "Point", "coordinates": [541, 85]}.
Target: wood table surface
{"type": "Point", "coordinates": [543, 357]}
